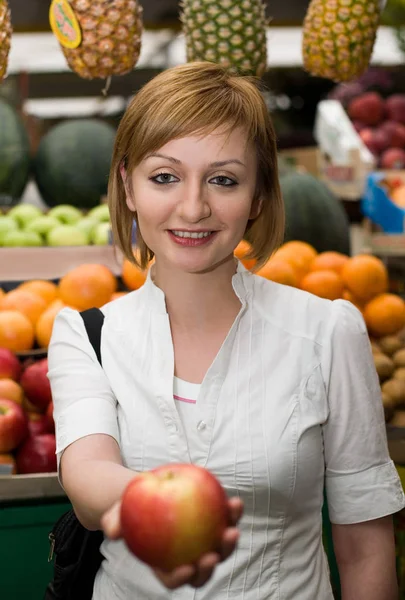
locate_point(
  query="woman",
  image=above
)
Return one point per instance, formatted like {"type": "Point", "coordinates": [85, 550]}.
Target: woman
{"type": "Point", "coordinates": [270, 388]}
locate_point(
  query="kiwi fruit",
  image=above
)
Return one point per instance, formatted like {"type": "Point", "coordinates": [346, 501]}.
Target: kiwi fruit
{"type": "Point", "coordinates": [384, 365]}
{"type": "Point", "coordinates": [389, 407]}
{"type": "Point", "coordinates": [399, 373]}
{"type": "Point", "coordinates": [390, 344]}
{"type": "Point", "coordinates": [395, 389]}
{"type": "Point", "coordinates": [399, 358]}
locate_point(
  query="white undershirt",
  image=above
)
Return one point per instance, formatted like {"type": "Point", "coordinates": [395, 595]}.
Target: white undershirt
{"type": "Point", "coordinates": [185, 396]}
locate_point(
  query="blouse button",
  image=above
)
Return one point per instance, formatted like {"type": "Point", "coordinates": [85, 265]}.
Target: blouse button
{"type": "Point", "coordinates": [173, 426]}
{"type": "Point", "coordinates": [201, 426]}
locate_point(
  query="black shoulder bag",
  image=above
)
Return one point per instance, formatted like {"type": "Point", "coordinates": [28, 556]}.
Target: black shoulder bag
{"type": "Point", "coordinates": [76, 549]}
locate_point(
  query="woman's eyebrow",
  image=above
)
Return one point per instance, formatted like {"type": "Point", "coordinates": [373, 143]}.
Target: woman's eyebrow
{"type": "Point", "coordinates": [220, 163]}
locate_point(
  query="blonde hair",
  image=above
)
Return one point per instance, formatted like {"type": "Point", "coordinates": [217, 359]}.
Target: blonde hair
{"type": "Point", "coordinates": [185, 100]}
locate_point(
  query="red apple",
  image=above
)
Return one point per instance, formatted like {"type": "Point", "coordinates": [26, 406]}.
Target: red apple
{"type": "Point", "coordinates": [368, 108]}
{"type": "Point", "coordinates": [13, 425]}
{"type": "Point", "coordinates": [376, 140]}
{"type": "Point", "coordinates": [49, 415]}
{"type": "Point", "coordinates": [395, 132]}
{"type": "Point", "coordinates": [395, 108]}
{"type": "Point", "coordinates": [35, 384]}
{"type": "Point", "coordinates": [358, 125]}
{"type": "Point", "coordinates": [37, 455]}
{"type": "Point", "coordinates": [10, 367]}
{"type": "Point", "coordinates": [38, 424]}
{"type": "Point", "coordinates": [172, 515]}
{"type": "Point", "coordinates": [393, 158]}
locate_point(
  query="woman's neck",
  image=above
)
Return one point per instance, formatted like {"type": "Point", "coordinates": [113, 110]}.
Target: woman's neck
{"type": "Point", "coordinates": [200, 301]}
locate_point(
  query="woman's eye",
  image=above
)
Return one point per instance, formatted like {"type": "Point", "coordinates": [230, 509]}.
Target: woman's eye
{"type": "Point", "coordinates": [163, 178]}
{"type": "Point", "coordinates": [224, 181]}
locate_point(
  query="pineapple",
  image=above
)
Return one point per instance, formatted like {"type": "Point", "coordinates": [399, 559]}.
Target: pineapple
{"type": "Point", "coordinates": [5, 37]}
{"type": "Point", "coordinates": [339, 36]}
{"type": "Point", "coordinates": [111, 37]}
{"type": "Point", "coordinates": [228, 32]}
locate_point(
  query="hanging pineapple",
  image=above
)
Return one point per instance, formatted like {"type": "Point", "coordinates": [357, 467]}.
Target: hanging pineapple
{"type": "Point", "coordinates": [5, 37]}
{"type": "Point", "coordinates": [99, 38]}
{"type": "Point", "coordinates": [339, 36]}
{"type": "Point", "coordinates": [229, 32]}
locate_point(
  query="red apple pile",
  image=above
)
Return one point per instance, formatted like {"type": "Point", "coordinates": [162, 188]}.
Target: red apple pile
{"type": "Point", "coordinates": [381, 125]}
{"type": "Point", "coordinates": [27, 440]}
{"type": "Point", "coordinates": [174, 514]}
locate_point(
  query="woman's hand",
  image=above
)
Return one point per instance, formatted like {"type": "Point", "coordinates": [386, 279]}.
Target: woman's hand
{"type": "Point", "coordinates": [195, 575]}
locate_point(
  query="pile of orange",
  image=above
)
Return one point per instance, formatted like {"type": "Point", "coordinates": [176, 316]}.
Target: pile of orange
{"type": "Point", "coordinates": [27, 313]}
{"type": "Point", "coordinates": [362, 280]}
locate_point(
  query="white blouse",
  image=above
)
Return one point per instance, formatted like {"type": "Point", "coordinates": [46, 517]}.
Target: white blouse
{"type": "Point", "coordinates": [291, 403]}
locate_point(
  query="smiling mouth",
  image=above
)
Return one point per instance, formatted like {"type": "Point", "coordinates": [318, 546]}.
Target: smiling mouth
{"type": "Point", "coordinates": [197, 235]}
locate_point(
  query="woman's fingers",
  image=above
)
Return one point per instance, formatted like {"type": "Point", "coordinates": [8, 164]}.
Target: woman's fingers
{"type": "Point", "coordinates": [235, 510]}
{"type": "Point", "coordinates": [205, 569]}
{"type": "Point", "coordinates": [111, 522]}
{"type": "Point", "coordinates": [229, 542]}
{"type": "Point", "coordinates": [177, 577]}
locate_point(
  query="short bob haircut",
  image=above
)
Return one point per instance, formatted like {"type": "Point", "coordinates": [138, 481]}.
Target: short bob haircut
{"type": "Point", "coordinates": [197, 98]}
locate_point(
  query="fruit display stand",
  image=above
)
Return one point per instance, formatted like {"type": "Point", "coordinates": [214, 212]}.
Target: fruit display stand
{"type": "Point", "coordinates": [29, 506]}
{"type": "Point", "coordinates": [20, 264]}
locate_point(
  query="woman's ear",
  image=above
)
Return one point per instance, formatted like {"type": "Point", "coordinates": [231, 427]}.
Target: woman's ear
{"type": "Point", "coordinates": [256, 208]}
{"type": "Point", "coordinates": [128, 196]}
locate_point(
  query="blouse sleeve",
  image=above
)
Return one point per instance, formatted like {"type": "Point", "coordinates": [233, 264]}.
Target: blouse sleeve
{"type": "Point", "coordinates": [84, 403]}
{"type": "Point", "coordinates": [362, 482]}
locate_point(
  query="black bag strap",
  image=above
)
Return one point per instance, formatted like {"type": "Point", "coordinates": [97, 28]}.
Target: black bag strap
{"type": "Point", "coordinates": [93, 321]}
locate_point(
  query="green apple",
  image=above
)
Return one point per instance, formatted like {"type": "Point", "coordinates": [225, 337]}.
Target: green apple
{"type": "Point", "coordinates": [24, 213]}
{"type": "Point", "coordinates": [67, 235]}
{"type": "Point", "coordinates": [22, 238]}
{"type": "Point", "coordinates": [7, 224]}
{"type": "Point", "coordinates": [87, 224]}
{"type": "Point", "coordinates": [66, 214]}
{"type": "Point", "coordinates": [42, 224]}
{"type": "Point", "coordinates": [100, 235]}
{"type": "Point", "coordinates": [100, 213]}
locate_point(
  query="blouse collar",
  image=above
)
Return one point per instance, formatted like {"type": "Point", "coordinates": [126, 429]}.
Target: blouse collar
{"type": "Point", "coordinates": [241, 283]}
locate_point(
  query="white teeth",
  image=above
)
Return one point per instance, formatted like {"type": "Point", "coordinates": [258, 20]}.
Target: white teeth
{"type": "Point", "coordinates": [190, 234]}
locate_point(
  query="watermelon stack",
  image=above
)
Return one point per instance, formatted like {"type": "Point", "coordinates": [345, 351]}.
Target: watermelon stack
{"type": "Point", "coordinates": [15, 155]}
{"type": "Point", "coordinates": [73, 161]}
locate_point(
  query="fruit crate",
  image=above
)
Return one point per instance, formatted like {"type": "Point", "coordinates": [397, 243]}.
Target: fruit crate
{"type": "Point", "coordinates": [29, 506]}
{"type": "Point", "coordinates": [377, 206]}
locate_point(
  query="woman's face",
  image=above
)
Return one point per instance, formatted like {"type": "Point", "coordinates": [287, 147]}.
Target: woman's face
{"type": "Point", "coordinates": [193, 199]}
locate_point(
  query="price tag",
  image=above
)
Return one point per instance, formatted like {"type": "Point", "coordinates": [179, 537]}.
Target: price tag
{"type": "Point", "coordinates": [64, 24]}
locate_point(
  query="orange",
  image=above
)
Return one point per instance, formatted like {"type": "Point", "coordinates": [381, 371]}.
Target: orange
{"type": "Point", "coordinates": [10, 390]}
{"type": "Point", "coordinates": [241, 251]}
{"type": "Point", "coordinates": [2, 293]}
{"type": "Point", "coordinates": [325, 284]}
{"type": "Point", "coordinates": [300, 255]}
{"type": "Point", "coordinates": [279, 271]}
{"type": "Point", "coordinates": [132, 276]}
{"type": "Point", "coordinates": [385, 315]}
{"type": "Point", "coordinates": [117, 295]}
{"type": "Point", "coordinates": [43, 329]}
{"type": "Point", "coordinates": [87, 286]}
{"type": "Point", "coordinates": [398, 196]}
{"type": "Point", "coordinates": [329, 261]}
{"type": "Point", "coordinates": [16, 331]}
{"type": "Point", "coordinates": [352, 298]}
{"type": "Point", "coordinates": [365, 276]}
{"type": "Point", "coordinates": [46, 289]}
{"type": "Point", "coordinates": [29, 304]}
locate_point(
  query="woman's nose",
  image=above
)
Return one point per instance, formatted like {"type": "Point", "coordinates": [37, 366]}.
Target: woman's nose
{"type": "Point", "coordinates": [194, 205]}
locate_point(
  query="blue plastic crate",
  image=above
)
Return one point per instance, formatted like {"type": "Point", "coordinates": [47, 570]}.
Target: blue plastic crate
{"type": "Point", "coordinates": [379, 208]}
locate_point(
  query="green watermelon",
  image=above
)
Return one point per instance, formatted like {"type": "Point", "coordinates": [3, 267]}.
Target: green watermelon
{"type": "Point", "coordinates": [15, 155]}
{"type": "Point", "coordinates": [314, 214]}
{"type": "Point", "coordinates": [73, 161]}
